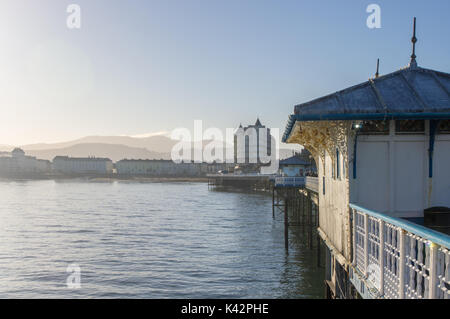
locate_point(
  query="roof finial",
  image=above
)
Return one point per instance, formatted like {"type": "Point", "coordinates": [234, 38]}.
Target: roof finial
{"type": "Point", "coordinates": [378, 69]}
{"type": "Point", "coordinates": [413, 62]}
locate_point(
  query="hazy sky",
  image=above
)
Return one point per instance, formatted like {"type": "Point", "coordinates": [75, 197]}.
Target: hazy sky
{"type": "Point", "coordinates": [140, 66]}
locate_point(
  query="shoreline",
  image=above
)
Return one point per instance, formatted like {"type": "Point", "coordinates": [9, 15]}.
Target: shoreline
{"type": "Point", "coordinates": [109, 179]}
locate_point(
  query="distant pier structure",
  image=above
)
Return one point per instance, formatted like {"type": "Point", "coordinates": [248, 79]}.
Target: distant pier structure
{"type": "Point", "coordinates": [240, 181]}
{"type": "Point", "coordinates": [297, 199]}
{"type": "Point", "coordinates": [382, 150]}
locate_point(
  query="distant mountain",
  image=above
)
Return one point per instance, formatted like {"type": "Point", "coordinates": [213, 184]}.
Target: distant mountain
{"type": "Point", "coordinates": [6, 148]}
{"type": "Point", "coordinates": [160, 143]}
{"type": "Point", "coordinates": [115, 152]}
{"type": "Point", "coordinates": [117, 147]}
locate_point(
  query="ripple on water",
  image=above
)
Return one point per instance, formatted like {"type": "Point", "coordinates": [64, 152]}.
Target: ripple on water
{"type": "Point", "coordinates": [147, 240]}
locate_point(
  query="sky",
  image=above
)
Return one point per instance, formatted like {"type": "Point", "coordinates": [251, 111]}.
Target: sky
{"type": "Point", "coordinates": [137, 67]}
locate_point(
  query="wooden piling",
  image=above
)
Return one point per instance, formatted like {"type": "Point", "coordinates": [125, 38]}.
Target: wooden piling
{"type": "Point", "coordinates": [273, 202]}
{"type": "Point", "coordinates": [286, 226]}
{"type": "Point", "coordinates": [318, 251]}
{"type": "Point", "coordinates": [310, 222]}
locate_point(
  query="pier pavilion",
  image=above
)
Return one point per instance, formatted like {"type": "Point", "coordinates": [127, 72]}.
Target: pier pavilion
{"type": "Point", "coordinates": [382, 150]}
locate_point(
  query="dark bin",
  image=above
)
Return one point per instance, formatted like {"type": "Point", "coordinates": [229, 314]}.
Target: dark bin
{"type": "Point", "coordinates": [438, 218]}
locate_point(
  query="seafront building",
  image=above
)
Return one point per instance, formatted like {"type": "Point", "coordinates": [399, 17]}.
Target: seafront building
{"type": "Point", "coordinates": [294, 166]}
{"type": "Point", "coordinates": [86, 165]}
{"type": "Point", "coordinates": [17, 163]}
{"type": "Point", "coordinates": [130, 167]}
{"type": "Point", "coordinates": [382, 150]}
{"type": "Point", "coordinates": [251, 142]}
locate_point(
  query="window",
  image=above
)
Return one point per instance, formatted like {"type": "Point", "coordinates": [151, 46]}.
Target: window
{"type": "Point", "coordinates": [444, 127]}
{"type": "Point", "coordinates": [410, 127]}
{"type": "Point", "coordinates": [374, 128]}
{"type": "Point", "coordinates": [323, 185]}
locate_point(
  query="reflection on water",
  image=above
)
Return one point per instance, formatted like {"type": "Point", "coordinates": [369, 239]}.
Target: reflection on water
{"type": "Point", "coordinates": [148, 240]}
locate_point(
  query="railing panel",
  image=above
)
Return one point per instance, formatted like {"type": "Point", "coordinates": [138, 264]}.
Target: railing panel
{"type": "Point", "coordinates": [374, 257]}
{"type": "Point", "coordinates": [400, 259]}
{"type": "Point", "coordinates": [360, 235]}
{"type": "Point", "coordinates": [443, 274]}
{"type": "Point", "coordinates": [417, 270]}
{"type": "Point", "coordinates": [289, 181]}
{"type": "Point", "coordinates": [392, 260]}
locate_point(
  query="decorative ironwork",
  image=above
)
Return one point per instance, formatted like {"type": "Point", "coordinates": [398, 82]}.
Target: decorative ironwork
{"type": "Point", "coordinates": [320, 136]}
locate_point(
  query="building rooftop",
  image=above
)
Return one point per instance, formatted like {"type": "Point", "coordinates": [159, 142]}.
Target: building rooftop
{"type": "Point", "coordinates": [95, 159]}
{"type": "Point", "coordinates": [409, 93]}
{"type": "Point", "coordinates": [409, 90]}
{"type": "Point", "coordinates": [294, 160]}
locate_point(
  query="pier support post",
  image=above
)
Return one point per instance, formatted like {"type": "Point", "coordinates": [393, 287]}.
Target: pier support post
{"type": "Point", "coordinates": [318, 252]}
{"type": "Point", "coordinates": [310, 214]}
{"type": "Point", "coordinates": [273, 202]}
{"type": "Point", "coordinates": [286, 225]}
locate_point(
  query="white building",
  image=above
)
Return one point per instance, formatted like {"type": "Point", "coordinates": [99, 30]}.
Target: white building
{"type": "Point", "coordinates": [294, 166]}
{"type": "Point", "coordinates": [382, 150]}
{"type": "Point", "coordinates": [17, 163]}
{"type": "Point", "coordinates": [167, 168]}
{"type": "Point", "coordinates": [251, 143]}
{"type": "Point", "coordinates": [87, 165]}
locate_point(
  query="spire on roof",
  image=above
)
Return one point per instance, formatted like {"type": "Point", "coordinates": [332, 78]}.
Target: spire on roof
{"type": "Point", "coordinates": [258, 123]}
{"type": "Point", "coordinates": [377, 74]}
{"type": "Point", "coordinates": [413, 62]}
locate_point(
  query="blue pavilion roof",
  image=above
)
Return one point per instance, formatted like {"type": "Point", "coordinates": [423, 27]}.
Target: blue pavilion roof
{"type": "Point", "coordinates": [412, 92]}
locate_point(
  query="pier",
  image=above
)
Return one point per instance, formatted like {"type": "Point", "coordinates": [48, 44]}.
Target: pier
{"type": "Point", "coordinates": [297, 199]}
{"type": "Point", "coordinates": [294, 197]}
{"type": "Point", "coordinates": [381, 148]}
{"type": "Point", "coordinates": [242, 181]}
{"type": "Point", "coordinates": [397, 259]}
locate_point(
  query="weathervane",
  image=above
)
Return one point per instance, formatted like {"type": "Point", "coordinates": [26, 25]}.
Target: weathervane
{"type": "Point", "coordinates": [413, 62]}
{"type": "Point", "coordinates": [378, 69]}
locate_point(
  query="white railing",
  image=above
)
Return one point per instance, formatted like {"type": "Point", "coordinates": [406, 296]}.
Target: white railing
{"type": "Point", "coordinates": [399, 259]}
{"type": "Point", "coordinates": [312, 183]}
{"type": "Point", "coordinates": [289, 181]}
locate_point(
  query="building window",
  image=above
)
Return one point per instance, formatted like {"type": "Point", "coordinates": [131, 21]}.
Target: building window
{"type": "Point", "coordinates": [410, 127]}
{"type": "Point", "coordinates": [374, 128]}
{"type": "Point", "coordinates": [444, 127]}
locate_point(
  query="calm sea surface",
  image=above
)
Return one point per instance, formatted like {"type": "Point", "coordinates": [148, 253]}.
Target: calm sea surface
{"type": "Point", "coordinates": [147, 240]}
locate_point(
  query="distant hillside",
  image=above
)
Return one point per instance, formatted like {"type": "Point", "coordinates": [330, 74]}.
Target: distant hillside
{"type": "Point", "coordinates": [159, 144]}
{"type": "Point", "coordinates": [6, 148]}
{"type": "Point", "coordinates": [113, 151]}
{"type": "Point", "coordinates": [117, 147]}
